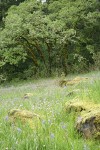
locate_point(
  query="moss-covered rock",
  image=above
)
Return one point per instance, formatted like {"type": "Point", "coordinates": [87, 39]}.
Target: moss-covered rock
{"type": "Point", "coordinates": [76, 106]}
{"type": "Point", "coordinates": [64, 82]}
{"type": "Point", "coordinates": [79, 106]}
{"type": "Point", "coordinates": [88, 124]}
{"type": "Point", "coordinates": [24, 116]}
{"type": "Point", "coordinates": [28, 95]}
{"type": "Point", "coordinates": [76, 80]}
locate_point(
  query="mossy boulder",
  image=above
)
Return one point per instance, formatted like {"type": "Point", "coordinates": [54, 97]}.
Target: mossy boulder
{"type": "Point", "coordinates": [88, 124]}
{"type": "Point", "coordinates": [76, 80]}
{"type": "Point", "coordinates": [76, 106]}
{"type": "Point", "coordinates": [24, 116]}
{"type": "Point", "coordinates": [62, 82]}
{"type": "Point", "coordinates": [28, 95]}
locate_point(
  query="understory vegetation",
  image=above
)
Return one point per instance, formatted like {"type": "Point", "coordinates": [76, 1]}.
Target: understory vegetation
{"type": "Point", "coordinates": [56, 130]}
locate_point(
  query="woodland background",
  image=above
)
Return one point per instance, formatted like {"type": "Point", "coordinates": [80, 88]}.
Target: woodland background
{"type": "Point", "coordinates": [42, 39]}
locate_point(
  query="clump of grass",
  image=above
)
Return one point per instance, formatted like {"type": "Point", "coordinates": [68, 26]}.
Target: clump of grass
{"type": "Point", "coordinates": [90, 91]}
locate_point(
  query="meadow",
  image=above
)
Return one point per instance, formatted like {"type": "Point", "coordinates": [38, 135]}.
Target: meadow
{"type": "Point", "coordinates": [57, 128]}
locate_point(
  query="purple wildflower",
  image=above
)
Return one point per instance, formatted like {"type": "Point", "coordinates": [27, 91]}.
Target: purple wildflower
{"type": "Point", "coordinates": [52, 136]}
{"type": "Point", "coordinates": [43, 122]}
{"type": "Point", "coordinates": [63, 125]}
{"type": "Point", "coordinates": [6, 118]}
{"type": "Point", "coordinates": [19, 130]}
{"type": "Point", "coordinates": [49, 121]}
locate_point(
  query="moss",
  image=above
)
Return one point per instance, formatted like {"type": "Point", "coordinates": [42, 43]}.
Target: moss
{"type": "Point", "coordinates": [89, 124]}
{"type": "Point", "coordinates": [28, 95]}
{"type": "Point", "coordinates": [76, 106]}
{"type": "Point", "coordinates": [76, 80]}
{"type": "Point", "coordinates": [79, 106]}
{"type": "Point", "coordinates": [24, 116]}
{"type": "Point", "coordinates": [62, 83]}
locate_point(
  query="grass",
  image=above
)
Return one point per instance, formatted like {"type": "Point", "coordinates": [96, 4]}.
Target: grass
{"type": "Point", "coordinates": [56, 130]}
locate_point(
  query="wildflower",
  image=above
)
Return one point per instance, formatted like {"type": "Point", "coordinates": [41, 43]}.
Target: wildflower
{"type": "Point", "coordinates": [15, 99]}
{"type": "Point", "coordinates": [49, 121]}
{"type": "Point", "coordinates": [85, 147]}
{"type": "Point", "coordinates": [63, 125]}
{"type": "Point", "coordinates": [43, 122]}
{"type": "Point", "coordinates": [6, 118]}
{"type": "Point", "coordinates": [21, 105]}
{"type": "Point", "coordinates": [12, 125]}
{"type": "Point", "coordinates": [65, 87]}
{"type": "Point", "coordinates": [16, 142]}
{"type": "Point", "coordinates": [19, 130]}
{"type": "Point", "coordinates": [52, 136]}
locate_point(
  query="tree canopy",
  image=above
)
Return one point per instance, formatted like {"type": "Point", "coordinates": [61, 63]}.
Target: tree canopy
{"type": "Point", "coordinates": [50, 36]}
{"type": "Point", "coordinates": [4, 5]}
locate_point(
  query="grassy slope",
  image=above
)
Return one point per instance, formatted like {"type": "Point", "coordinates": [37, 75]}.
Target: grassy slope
{"type": "Point", "coordinates": [57, 128]}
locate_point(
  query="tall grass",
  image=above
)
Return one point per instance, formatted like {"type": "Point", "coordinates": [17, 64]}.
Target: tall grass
{"type": "Point", "coordinates": [56, 130]}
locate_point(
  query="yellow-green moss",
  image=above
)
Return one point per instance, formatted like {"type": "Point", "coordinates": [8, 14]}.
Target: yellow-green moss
{"type": "Point", "coordinates": [24, 116]}
{"type": "Point", "coordinates": [79, 106]}
{"type": "Point", "coordinates": [64, 82]}
{"type": "Point", "coordinates": [89, 123]}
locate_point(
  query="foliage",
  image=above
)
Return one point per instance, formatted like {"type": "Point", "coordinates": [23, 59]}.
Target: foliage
{"type": "Point", "coordinates": [4, 5]}
{"type": "Point", "coordinates": [51, 36]}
